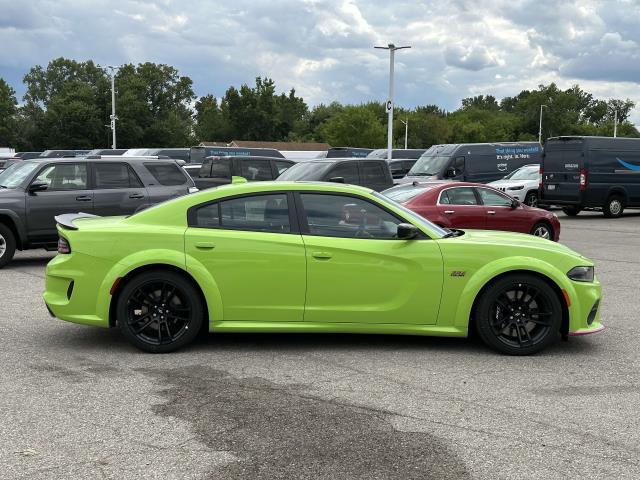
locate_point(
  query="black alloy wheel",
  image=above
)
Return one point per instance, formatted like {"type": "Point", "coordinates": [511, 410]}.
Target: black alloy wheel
{"type": "Point", "coordinates": [531, 199]}
{"type": "Point", "coordinates": [159, 311]}
{"type": "Point", "coordinates": [519, 314]}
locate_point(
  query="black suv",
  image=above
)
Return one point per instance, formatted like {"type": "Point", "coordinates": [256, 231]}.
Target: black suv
{"type": "Point", "coordinates": [216, 171]}
{"type": "Point", "coordinates": [32, 192]}
{"type": "Point", "coordinates": [368, 172]}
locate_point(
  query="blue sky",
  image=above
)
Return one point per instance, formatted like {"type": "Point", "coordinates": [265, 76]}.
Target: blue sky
{"type": "Point", "coordinates": [325, 48]}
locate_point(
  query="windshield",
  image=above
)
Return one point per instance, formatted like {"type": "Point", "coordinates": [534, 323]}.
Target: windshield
{"type": "Point", "coordinates": [417, 219]}
{"type": "Point", "coordinates": [524, 173]}
{"type": "Point", "coordinates": [306, 171]}
{"type": "Point", "coordinates": [405, 193]}
{"type": "Point", "coordinates": [15, 175]}
{"type": "Point", "coordinates": [431, 165]}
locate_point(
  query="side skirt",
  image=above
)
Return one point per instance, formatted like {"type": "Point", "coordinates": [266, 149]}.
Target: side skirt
{"type": "Point", "coordinates": [309, 327]}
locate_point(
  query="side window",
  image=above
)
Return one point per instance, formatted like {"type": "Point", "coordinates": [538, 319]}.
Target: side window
{"type": "Point", "coordinates": [346, 170]}
{"type": "Point", "coordinates": [221, 168]}
{"type": "Point", "coordinates": [372, 172]}
{"type": "Point", "coordinates": [494, 199]}
{"type": "Point", "coordinates": [168, 174]}
{"type": "Point", "coordinates": [256, 169]}
{"type": "Point", "coordinates": [115, 175]}
{"type": "Point", "coordinates": [458, 164]}
{"type": "Point", "coordinates": [347, 217]}
{"type": "Point", "coordinates": [208, 216]}
{"type": "Point", "coordinates": [281, 166]}
{"type": "Point", "coordinates": [205, 169]}
{"type": "Point", "coordinates": [444, 198]}
{"type": "Point", "coordinates": [460, 196]}
{"type": "Point", "coordinates": [262, 213]}
{"type": "Point", "coordinates": [64, 176]}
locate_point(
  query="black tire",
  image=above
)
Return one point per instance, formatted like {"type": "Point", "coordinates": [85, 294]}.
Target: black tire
{"type": "Point", "coordinates": [531, 199]}
{"type": "Point", "coordinates": [519, 314]}
{"type": "Point", "coordinates": [159, 304]}
{"type": "Point", "coordinates": [7, 245]}
{"type": "Point", "coordinates": [571, 211]}
{"type": "Point", "coordinates": [614, 207]}
{"type": "Point", "coordinates": [543, 230]}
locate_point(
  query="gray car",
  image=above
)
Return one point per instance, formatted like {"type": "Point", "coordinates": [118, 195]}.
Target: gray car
{"type": "Point", "coordinates": [33, 192]}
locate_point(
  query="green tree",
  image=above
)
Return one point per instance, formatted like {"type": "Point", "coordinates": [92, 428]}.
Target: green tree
{"type": "Point", "coordinates": [8, 110]}
{"type": "Point", "coordinates": [354, 126]}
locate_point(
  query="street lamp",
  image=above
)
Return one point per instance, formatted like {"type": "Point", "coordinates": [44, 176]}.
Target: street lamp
{"type": "Point", "coordinates": [540, 129]}
{"type": "Point", "coordinates": [615, 123]}
{"type": "Point", "coordinates": [113, 116]}
{"type": "Point", "coordinates": [406, 131]}
{"type": "Point", "coordinates": [389, 106]}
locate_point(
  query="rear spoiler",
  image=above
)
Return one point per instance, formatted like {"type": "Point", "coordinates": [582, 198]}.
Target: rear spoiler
{"type": "Point", "coordinates": [67, 219]}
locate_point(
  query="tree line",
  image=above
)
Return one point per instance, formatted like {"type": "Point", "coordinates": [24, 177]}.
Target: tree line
{"type": "Point", "coordinates": [67, 105]}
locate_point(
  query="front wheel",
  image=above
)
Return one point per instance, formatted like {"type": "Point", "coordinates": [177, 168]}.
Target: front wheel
{"type": "Point", "coordinates": [542, 230]}
{"type": "Point", "coordinates": [7, 245]}
{"type": "Point", "coordinates": [531, 199]}
{"type": "Point", "coordinates": [519, 314]}
{"type": "Point", "coordinates": [614, 207]}
{"type": "Point", "coordinates": [159, 311]}
{"type": "Point", "coordinates": [571, 211]}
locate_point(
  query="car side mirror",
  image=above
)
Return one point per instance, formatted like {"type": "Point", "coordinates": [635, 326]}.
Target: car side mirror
{"type": "Point", "coordinates": [406, 231]}
{"type": "Point", "coordinates": [337, 179]}
{"type": "Point", "coordinates": [450, 173]}
{"type": "Point", "coordinates": [515, 203]}
{"type": "Point", "coordinates": [38, 187]}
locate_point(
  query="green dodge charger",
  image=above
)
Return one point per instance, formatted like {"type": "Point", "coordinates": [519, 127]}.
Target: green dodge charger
{"type": "Point", "coordinates": [313, 257]}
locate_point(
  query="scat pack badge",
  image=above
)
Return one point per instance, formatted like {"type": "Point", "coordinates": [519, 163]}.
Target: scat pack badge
{"type": "Point", "coordinates": [458, 273]}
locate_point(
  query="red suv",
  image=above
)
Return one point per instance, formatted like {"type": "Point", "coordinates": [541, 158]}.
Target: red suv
{"type": "Point", "coordinates": [474, 205]}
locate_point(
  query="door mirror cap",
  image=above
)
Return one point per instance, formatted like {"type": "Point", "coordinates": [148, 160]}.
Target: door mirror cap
{"type": "Point", "coordinates": [38, 187]}
{"type": "Point", "coordinates": [337, 179]}
{"type": "Point", "coordinates": [406, 231]}
{"type": "Point", "coordinates": [450, 173]}
{"type": "Point", "coordinates": [515, 203]}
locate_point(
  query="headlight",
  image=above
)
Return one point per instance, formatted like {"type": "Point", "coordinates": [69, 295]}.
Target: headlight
{"type": "Point", "coordinates": [518, 187]}
{"type": "Point", "coordinates": [581, 274]}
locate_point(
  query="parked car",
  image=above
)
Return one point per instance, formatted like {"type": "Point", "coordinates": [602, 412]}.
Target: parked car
{"type": "Point", "coordinates": [32, 192]}
{"type": "Point", "coordinates": [370, 172]}
{"type": "Point", "coordinates": [345, 152]}
{"type": "Point", "coordinates": [473, 162]}
{"type": "Point", "coordinates": [581, 173]}
{"type": "Point", "coordinates": [27, 155]}
{"type": "Point", "coordinates": [409, 153]}
{"type": "Point", "coordinates": [522, 184]}
{"type": "Point", "coordinates": [217, 171]}
{"type": "Point", "coordinates": [59, 154]}
{"type": "Point", "coordinates": [312, 257]}
{"type": "Point", "coordinates": [198, 154]}
{"type": "Point", "coordinates": [474, 205]}
{"type": "Point", "coordinates": [400, 167]}
{"type": "Point", "coordinates": [107, 151]}
{"type": "Point", "coordinates": [175, 153]}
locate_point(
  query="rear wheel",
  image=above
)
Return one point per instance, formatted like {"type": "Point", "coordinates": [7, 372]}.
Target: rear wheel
{"type": "Point", "coordinates": [7, 245]}
{"type": "Point", "coordinates": [159, 311]}
{"type": "Point", "coordinates": [571, 211]}
{"type": "Point", "coordinates": [542, 230]}
{"type": "Point", "coordinates": [518, 315]}
{"type": "Point", "coordinates": [614, 207]}
{"type": "Point", "coordinates": [531, 199]}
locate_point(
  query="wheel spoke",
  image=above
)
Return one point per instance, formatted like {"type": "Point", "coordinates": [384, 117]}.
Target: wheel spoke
{"type": "Point", "coordinates": [138, 319]}
{"type": "Point", "coordinates": [141, 329]}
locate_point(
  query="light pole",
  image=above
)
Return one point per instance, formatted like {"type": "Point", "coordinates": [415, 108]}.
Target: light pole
{"type": "Point", "coordinates": [540, 129]}
{"type": "Point", "coordinates": [615, 123]}
{"type": "Point", "coordinates": [392, 49]}
{"type": "Point", "coordinates": [113, 116]}
{"type": "Point", "coordinates": [406, 131]}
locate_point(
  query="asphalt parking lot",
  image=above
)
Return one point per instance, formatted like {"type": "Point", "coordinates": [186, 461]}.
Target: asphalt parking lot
{"type": "Point", "coordinates": [79, 402]}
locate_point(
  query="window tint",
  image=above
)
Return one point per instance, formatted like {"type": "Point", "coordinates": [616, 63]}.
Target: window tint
{"type": "Point", "coordinates": [494, 199]}
{"type": "Point", "coordinates": [254, 169]}
{"type": "Point", "coordinates": [221, 168]}
{"type": "Point", "coordinates": [167, 173]}
{"type": "Point", "coordinates": [347, 217]}
{"type": "Point", "coordinates": [208, 216]}
{"type": "Point", "coordinates": [458, 164]}
{"type": "Point", "coordinates": [459, 196]}
{"type": "Point", "coordinates": [263, 213]}
{"type": "Point", "coordinates": [346, 170]}
{"type": "Point", "coordinates": [64, 176]}
{"type": "Point", "coordinates": [115, 175]}
{"type": "Point", "coordinates": [372, 172]}
{"type": "Point", "coordinates": [282, 166]}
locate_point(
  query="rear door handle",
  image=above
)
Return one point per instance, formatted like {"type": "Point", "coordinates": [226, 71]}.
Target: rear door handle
{"type": "Point", "coordinates": [84, 198]}
{"type": "Point", "coordinates": [322, 255]}
{"type": "Point", "coordinates": [205, 245]}
{"type": "Point", "coordinates": [491, 212]}
{"type": "Point", "coordinates": [449, 212]}
{"type": "Point", "coordinates": [136, 195]}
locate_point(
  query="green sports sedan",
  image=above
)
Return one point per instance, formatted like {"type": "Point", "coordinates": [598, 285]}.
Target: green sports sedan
{"type": "Point", "coordinates": [313, 257]}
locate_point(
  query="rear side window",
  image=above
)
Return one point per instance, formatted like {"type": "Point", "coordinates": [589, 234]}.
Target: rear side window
{"type": "Point", "coordinates": [168, 174]}
{"type": "Point", "coordinates": [346, 170]}
{"type": "Point", "coordinates": [459, 196]}
{"type": "Point", "coordinates": [256, 170]}
{"type": "Point", "coordinates": [221, 168]}
{"type": "Point", "coordinates": [372, 171]}
{"type": "Point", "coordinates": [115, 175]}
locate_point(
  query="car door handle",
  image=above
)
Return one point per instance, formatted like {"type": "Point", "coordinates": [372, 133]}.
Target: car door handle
{"type": "Point", "coordinates": [205, 245]}
{"type": "Point", "coordinates": [136, 195]}
{"type": "Point", "coordinates": [322, 255]}
{"type": "Point", "coordinates": [491, 212]}
{"type": "Point", "coordinates": [84, 198]}
{"type": "Point", "coordinates": [449, 212]}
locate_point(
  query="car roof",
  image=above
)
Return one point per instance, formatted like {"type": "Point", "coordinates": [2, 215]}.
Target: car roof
{"type": "Point", "coordinates": [343, 159]}
{"type": "Point", "coordinates": [97, 158]}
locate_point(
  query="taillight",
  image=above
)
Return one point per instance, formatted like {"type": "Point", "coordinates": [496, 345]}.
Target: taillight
{"type": "Point", "coordinates": [583, 178]}
{"type": "Point", "coordinates": [540, 177]}
{"type": "Point", "coordinates": [63, 245]}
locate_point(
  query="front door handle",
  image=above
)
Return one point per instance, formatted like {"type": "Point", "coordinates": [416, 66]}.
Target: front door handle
{"type": "Point", "coordinates": [136, 195]}
{"type": "Point", "coordinates": [205, 245]}
{"type": "Point", "coordinates": [449, 212]}
{"type": "Point", "coordinates": [491, 212]}
{"type": "Point", "coordinates": [322, 255]}
{"type": "Point", "coordinates": [84, 198]}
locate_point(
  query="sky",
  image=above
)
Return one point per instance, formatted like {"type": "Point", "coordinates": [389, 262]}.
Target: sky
{"type": "Point", "coordinates": [324, 48]}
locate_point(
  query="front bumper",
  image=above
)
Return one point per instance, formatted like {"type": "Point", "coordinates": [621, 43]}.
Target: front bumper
{"type": "Point", "coordinates": [586, 303]}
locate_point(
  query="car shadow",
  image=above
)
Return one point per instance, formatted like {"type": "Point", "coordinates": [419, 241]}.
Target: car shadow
{"type": "Point", "coordinates": [19, 262]}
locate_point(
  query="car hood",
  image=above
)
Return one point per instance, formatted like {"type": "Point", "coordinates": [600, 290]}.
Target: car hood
{"type": "Point", "coordinates": [513, 183]}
